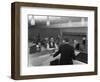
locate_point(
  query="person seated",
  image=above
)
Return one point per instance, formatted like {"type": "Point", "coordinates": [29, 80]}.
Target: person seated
{"type": "Point", "coordinates": [33, 48]}
{"type": "Point", "coordinates": [45, 42]}
{"type": "Point", "coordinates": [38, 47]}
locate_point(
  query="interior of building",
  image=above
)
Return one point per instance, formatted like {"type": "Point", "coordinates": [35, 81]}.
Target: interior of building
{"type": "Point", "coordinates": [57, 27]}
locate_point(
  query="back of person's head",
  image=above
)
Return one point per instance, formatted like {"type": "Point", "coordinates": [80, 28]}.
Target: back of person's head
{"type": "Point", "coordinates": [66, 39]}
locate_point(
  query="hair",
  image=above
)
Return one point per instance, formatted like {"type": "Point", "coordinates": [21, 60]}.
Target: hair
{"type": "Point", "coordinates": [66, 39]}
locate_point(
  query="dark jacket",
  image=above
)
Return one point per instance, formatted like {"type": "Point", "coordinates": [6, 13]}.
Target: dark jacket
{"type": "Point", "coordinates": [51, 46]}
{"type": "Point", "coordinates": [67, 54]}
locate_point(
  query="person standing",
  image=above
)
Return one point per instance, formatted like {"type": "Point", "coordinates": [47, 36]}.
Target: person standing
{"type": "Point", "coordinates": [67, 53]}
{"type": "Point", "coordinates": [76, 45]}
{"type": "Point", "coordinates": [51, 44]}
{"type": "Point", "coordinates": [84, 41]}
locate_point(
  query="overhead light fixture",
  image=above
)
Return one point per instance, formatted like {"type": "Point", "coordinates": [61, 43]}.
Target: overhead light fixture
{"type": "Point", "coordinates": [32, 20]}
{"type": "Point", "coordinates": [48, 21]}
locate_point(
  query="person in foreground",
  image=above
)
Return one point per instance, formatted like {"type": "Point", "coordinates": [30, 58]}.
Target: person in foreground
{"type": "Point", "coordinates": [67, 53]}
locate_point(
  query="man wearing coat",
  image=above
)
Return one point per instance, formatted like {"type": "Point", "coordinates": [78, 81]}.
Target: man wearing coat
{"type": "Point", "coordinates": [67, 53]}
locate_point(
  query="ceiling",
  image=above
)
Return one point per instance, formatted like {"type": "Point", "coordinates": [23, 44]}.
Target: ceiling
{"type": "Point", "coordinates": [53, 20]}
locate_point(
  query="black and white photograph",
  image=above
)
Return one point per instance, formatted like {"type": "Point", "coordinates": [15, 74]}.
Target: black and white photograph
{"type": "Point", "coordinates": [57, 40]}
{"type": "Point", "coordinates": [50, 40]}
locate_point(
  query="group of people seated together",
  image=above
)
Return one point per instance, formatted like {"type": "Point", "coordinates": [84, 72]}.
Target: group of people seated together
{"type": "Point", "coordinates": [42, 45]}
{"type": "Point", "coordinates": [64, 46]}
